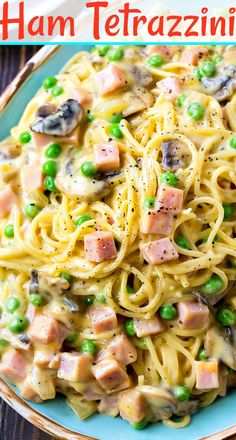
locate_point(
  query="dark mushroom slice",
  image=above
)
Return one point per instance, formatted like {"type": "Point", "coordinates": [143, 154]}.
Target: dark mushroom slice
{"type": "Point", "coordinates": [186, 407]}
{"type": "Point", "coordinates": [161, 404]}
{"type": "Point", "coordinates": [213, 298]}
{"type": "Point", "coordinates": [141, 76]}
{"type": "Point", "coordinates": [34, 282]}
{"type": "Point", "coordinates": [222, 85]}
{"type": "Point", "coordinates": [58, 121]}
{"type": "Point", "coordinates": [218, 346]}
{"type": "Point", "coordinates": [175, 155]}
{"type": "Point", "coordinates": [45, 284]}
{"type": "Point", "coordinates": [71, 304]}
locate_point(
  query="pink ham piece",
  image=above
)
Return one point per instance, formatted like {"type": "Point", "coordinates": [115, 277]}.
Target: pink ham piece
{"type": "Point", "coordinates": [31, 178]}
{"type": "Point", "coordinates": [171, 86]}
{"type": "Point", "coordinates": [75, 367]}
{"type": "Point", "coordinates": [192, 315]}
{"type": "Point", "coordinates": [102, 318]}
{"type": "Point", "coordinates": [109, 406]}
{"type": "Point", "coordinates": [132, 406]}
{"type": "Point", "coordinates": [146, 327]}
{"type": "Point", "coordinates": [110, 375]}
{"type": "Point", "coordinates": [41, 140]}
{"type": "Point", "coordinates": [158, 252]}
{"type": "Point", "coordinates": [99, 246]}
{"type": "Point", "coordinates": [81, 95]}
{"type": "Point", "coordinates": [165, 51]}
{"type": "Point", "coordinates": [207, 374]}
{"type": "Point", "coordinates": [14, 366]}
{"type": "Point", "coordinates": [110, 79]}
{"type": "Point", "coordinates": [169, 199]}
{"type": "Point", "coordinates": [46, 330]}
{"type": "Point", "coordinates": [7, 200]}
{"type": "Point", "coordinates": [193, 56]}
{"type": "Point", "coordinates": [107, 156]}
{"type": "Point", "coordinates": [122, 349]}
{"type": "Point", "coordinates": [154, 222]}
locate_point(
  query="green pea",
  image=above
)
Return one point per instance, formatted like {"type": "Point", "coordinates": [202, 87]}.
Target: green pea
{"type": "Point", "coordinates": [89, 347]}
{"type": "Point", "coordinates": [13, 304]}
{"type": "Point", "coordinates": [82, 219]}
{"type": "Point", "coordinates": [140, 425]}
{"type": "Point", "coordinates": [32, 210]}
{"type": "Point", "coordinates": [181, 393]}
{"type": "Point", "coordinates": [57, 91]}
{"type": "Point", "coordinates": [3, 343]}
{"type": "Point", "coordinates": [9, 231]}
{"type": "Point", "coordinates": [71, 337]}
{"type": "Point", "coordinates": [232, 142]}
{"type": "Point", "coordinates": [89, 300]}
{"type": "Point", "coordinates": [89, 169]}
{"type": "Point", "coordinates": [155, 61]}
{"type": "Point", "coordinates": [202, 354]}
{"type": "Point", "coordinates": [197, 73]}
{"type": "Point", "coordinates": [218, 59]}
{"type": "Point", "coordinates": [53, 151]}
{"type": "Point", "coordinates": [208, 68]}
{"type": "Point", "coordinates": [50, 168]}
{"type": "Point", "coordinates": [90, 117]}
{"type": "Point", "coordinates": [115, 54]}
{"type": "Point", "coordinates": [115, 131]}
{"type": "Point", "coordinates": [25, 137]}
{"type": "Point", "coordinates": [49, 82]}
{"type": "Point", "coordinates": [18, 324]}
{"type": "Point", "coordinates": [228, 211]}
{"type": "Point", "coordinates": [101, 299]}
{"type": "Point", "coordinates": [182, 242]}
{"type": "Point", "coordinates": [167, 311]}
{"type": "Point", "coordinates": [129, 327]}
{"type": "Point", "coordinates": [66, 276]}
{"type": "Point", "coordinates": [37, 300]}
{"type": "Point", "coordinates": [143, 344]}
{"type": "Point", "coordinates": [213, 285]}
{"type": "Point", "coordinates": [49, 183]}
{"type": "Point", "coordinates": [169, 179]}
{"type": "Point", "coordinates": [102, 50]}
{"type": "Point", "coordinates": [130, 289]}
{"type": "Point", "coordinates": [180, 100]}
{"type": "Point", "coordinates": [196, 111]}
{"type": "Point", "coordinates": [116, 118]}
{"type": "Point", "coordinates": [226, 317]}
{"type": "Point", "coordinates": [149, 202]}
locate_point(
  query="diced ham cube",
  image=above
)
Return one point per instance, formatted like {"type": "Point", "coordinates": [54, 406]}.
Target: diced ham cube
{"type": "Point", "coordinates": [31, 178]}
{"type": "Point", "coordinates": [7, 200]}
{"type": "Point", "coordinates": [45, 330]}
{"type": "Point", "coordinates": [75, 367]}
{"type": "Point", "coordinates": [169, 199]}
{"type": "Point", "coordinates": [107, 156]}
{"type": "Point", "coordinates": [146, 327]}
{"type": "Point", "coordinates": [132, 405]}
{"type": "Point", "coordinates": [99, 246]}
{"type": "Point", "coordinates": [28, 393]}
{"type": "Point", "coordinates": [207, 374]}
{"type": "Point", "coordinates": [171, 86]}
{"type": "Point", "coordinates": [123, 350]}
{"type": "Point", "coordinates": [14, 366]}
{"type": "Point", "coordinates": [41, 140]}
{"type": "Point", "coordinates": [150, 50]}
{"type": "Point", "coordinates": [102, 318]}
{"type": "Point", "coordinates": [110, 375]}
{"type": "Point", "coordinates": [156, 222]}
{"type": "Point", "coordinates": [158, 252]}
{"type": "Point", "coordinates": [55, 361]}
{"type": "Point", "coordinates": [192, 315]}
{"type": "Point", "coordinates": [193, 56]}
{"type": "Point", "coordinates": [81, 95]}
{"type": "Point", "coordinates": [110, 79]}
{"type": "Point", "coordinates": [109, 406]}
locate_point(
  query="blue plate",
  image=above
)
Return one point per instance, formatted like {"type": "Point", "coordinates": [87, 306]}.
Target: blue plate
{"type": "Point", "coordinates": [220, 415]}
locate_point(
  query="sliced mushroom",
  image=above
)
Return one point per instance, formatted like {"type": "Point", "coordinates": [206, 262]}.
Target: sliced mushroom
{"type": "Point", "coordinates": [44, 283]}
{"type": "Point", "coordinates": [161, 404]}
{"type": "Point", "coordinates": [186, 407]}
{"type": "Point", "coordinates": [174, 155]}
{"type": "Point", "coordinates": [71, 182]}
{"type": "Point", "coordinates": [58, 121]}
{"type": "Point", "coordinates": [71, 304]}
{"type": "Point", "coordinates": [141, 76]}
{"type": "Point", "coordinates": [212, 299]}
{"type": "Point", "coordinates": [222, 85]}
{"type": "Point", "coordinates": [218, 346]}
{"type": "Point", "coordinates": [138, 99]}
{"type": "Point", "coordinates": [8, 152]}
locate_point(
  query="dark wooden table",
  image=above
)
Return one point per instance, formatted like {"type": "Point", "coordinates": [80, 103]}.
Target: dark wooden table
{"type": "Point", "coordinates": [13, 426]}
